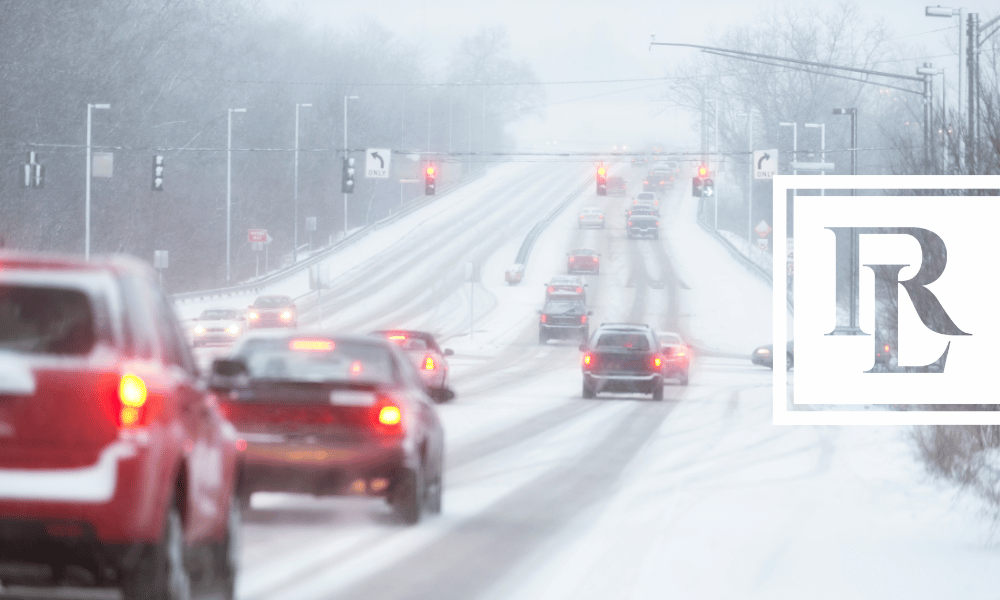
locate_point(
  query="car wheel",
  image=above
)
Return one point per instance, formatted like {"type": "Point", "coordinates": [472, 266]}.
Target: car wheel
{"type": "Point", "coordinates": [407, 497]}
{"type": "Point", "coordinates": [434, 492]}
{"type": "Point", "coordinates": [791, 362]}
{"type": "Point", "coordinates": [657, 389]}
{"type": "Point", "coordinates": [227, 557]}
{"type": "Point", "coordinates": [588, 392]}
{"type": "Point", "coordinates": [161, 573]}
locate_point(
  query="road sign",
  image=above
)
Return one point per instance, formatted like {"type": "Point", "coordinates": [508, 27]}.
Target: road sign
{"type": "Point", "coordinates": [762, 229]}
{"type": "Point", "coordinates": [765, 163]}
{"type": "Point", "coordinates": [257, 235]}
{"type": "Point", "coordinates": [762, 243]}
{"type": "Point", "coordinates": [377, 163]}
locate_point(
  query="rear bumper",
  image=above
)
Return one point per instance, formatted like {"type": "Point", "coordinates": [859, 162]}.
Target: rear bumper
{"type": "Point", "coordinates": [554, 331]}
{"type": "Point", "coordinates": [636, 383]}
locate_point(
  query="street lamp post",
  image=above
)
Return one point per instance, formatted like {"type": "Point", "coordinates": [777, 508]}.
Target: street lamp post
{"type": "Point", "coordinates": [795, 145]}
{"type": "Point", "coordinates": [927, 70]}
{"type": "Point", "coordinates": [711, 163]}
{"type": "Point", "coordinates": [822, 146]}
{"type": "Point", "coordinates": [749, 116]}
{"type": "Point", "coordinates": [229, 190]}
{"type": "Point", "coordinates": [86, 235]}
{"type": "Point", "coordinates": [942, 11]}
{"type": "Point", "coordinates": [346, 98]}
{"type": "Point", "coordinates": [295, 240]}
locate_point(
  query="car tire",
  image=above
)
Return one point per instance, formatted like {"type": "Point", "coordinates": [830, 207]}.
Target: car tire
{"type": "Point", "coordinates": [161, 572]}
{"type": "Point", "coordinates": [434, 492]}
{"type": "Point", "coordinates": [657, 389]}
{"type": "Point", "coordinates": [227, 555]}
{"type": "Point", "coordinates": [407, 497]}
{"type": "Point", "coordinates": [588, 392]}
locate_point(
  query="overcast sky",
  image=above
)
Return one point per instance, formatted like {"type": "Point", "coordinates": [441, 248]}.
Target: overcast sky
{"type": "Point", "coordinates": [597, 40]}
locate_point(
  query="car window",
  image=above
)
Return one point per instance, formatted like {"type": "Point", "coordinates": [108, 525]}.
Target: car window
{"type": "Point", "coordinates": [175, 345]}
{"type": "Point", "coordinates": [561, 307]}
{"type": "Point", "coordinates": [317, 360]}
{"type": "Point", "coordinates": [628, 341]}
{"type": "Point", "coordinates": [141, 324]}
{"type": "Point", "coordinates": [44, 320]}
{"type": "Point", "coordinates": [272, 302]}
{"type": "Point", "coordinates": [220, 315]}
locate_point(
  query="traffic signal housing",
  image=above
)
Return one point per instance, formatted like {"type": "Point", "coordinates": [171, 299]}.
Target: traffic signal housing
{"type": "Point", "coordinates": [347, 177]}
{"type": "Point", "coordinates": [707, 187]}
{"type": "Point", "coordinates": [158, 173]}
{"type": "Point", "coordinates": [696, 183]}
{"type": "Point", "coordinates": [430, 180]}
{"type": "Point", "coordinates": [602, 180]}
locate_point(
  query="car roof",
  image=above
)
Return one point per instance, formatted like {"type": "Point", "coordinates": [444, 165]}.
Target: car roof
{"type": "Point", "coordinates": [565, 278]}
{"type": "Point", "coordinates": [592, 209]}
{"type": "Point", "coordinates": [583, 251]}
{"type": "Point", "coordinates": [410, 333]}
{"type": "Point", "coordinates": [54, 261]}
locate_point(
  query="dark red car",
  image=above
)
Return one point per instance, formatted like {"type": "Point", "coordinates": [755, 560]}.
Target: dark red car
{"type": "Point", "coordinates": [116, 468]}
{"type": "Point", "coordinates": [583, 260]}
{"type": "Point", "coordinates": [333, 415]}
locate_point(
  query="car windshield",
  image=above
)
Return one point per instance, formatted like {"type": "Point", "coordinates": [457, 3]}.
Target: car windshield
{"type": "Point", "coordinates": [583, 253]}
{"type": "Point", "coordinates": [564, 281]}
{"type": "Point", "coordinates": [43, 320]}
{"type": "Point", "coordinates": [670, 339]}
{"type": "Point", "coordinates": [591, 211]}
{"type": "Point", "coordinates": [317, 360]}
{"type": "Point", "coordinates": [272, 302]}
{"type": "Point", "coordinates": [626, 341]}
{"type": "Point", "coordinates": [563, 307]}
{"type": "Point", "coordinates": [221, 315]}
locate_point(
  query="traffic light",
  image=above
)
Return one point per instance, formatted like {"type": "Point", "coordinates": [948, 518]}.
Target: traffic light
{"type": "Point", "coordinates": [430, 177]}
{"type": "Point", "coordinates": [707, 187]}
{"type": "Point", "coordinates": [347, 179]}
{"type": "Point", "coordinates": [602, 180]}
{"type": "Point", "coordinates": [696, 183]}
{"type": "Point", "coordinates": [158, 173]}
{"type": "Point", "coordinates": [702, 171]}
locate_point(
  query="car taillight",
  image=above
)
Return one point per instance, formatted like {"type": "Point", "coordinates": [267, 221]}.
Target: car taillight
{"type": "Point", "coordinates": [657, 223]}
{"type": "Point", "coordinates": [572, 258]}
{"type": "Point", "coordinates": [356, 368]}
{"type": "Point", "coordinates": [579, 290]}
{"type": "Point", "coordinates": [390, 415]}
{"type": "Point", "coordinates": [544, 318]}
{"type": "Point", "coordinates": [583, 318]}
{"type": "Point", "coordinates": [588, 360]}
{"type": "Point", "coordinates": [630, 223]}
{"type": "Point", "coordinates": [132, 395]}
{"type": "Point", "coordinates": [550, 289]}
{"type": "Point", "coordinates": [657, 362]}
{"type": "Point", "coordinates": [387, 417]}
{"type": "Point", "coordinates": [601, 217]}
{"type": "Point", "coordinates": [429, 363]}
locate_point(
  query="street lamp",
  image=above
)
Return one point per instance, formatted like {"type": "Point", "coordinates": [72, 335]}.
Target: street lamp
{"type": "Point", "coordinates": [295, 238]}
{"type": "Point", "coordinates": [86, 243]}
{"type": "Point", "coordinates": [822, 146]}
{"type": "Point", "coordinates": [749, 116]}
{"type": "Point", "coordinates": [346, 98]}
{"type": "Point", "coordinates": [942, 11]}
{"type": "Point", "coordinates": [229, 191]}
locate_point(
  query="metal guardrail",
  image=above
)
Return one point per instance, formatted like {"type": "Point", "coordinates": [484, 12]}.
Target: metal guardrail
{"type": "Point", "coordinates": [298, 267]}
{"type": "Point", "coordinates": [529, 241]}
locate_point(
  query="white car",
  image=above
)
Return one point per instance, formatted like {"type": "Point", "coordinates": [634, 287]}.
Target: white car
{"type": "Point", "coordinates": [591, 217]}
{"type": "Point", "coordinates": [218, 326]}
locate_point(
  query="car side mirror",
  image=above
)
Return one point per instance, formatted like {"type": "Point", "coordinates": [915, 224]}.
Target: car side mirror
{"type": "Point", "coordinates": [228, 374]}
{"type": "Point", "coordinates": [449, 352]}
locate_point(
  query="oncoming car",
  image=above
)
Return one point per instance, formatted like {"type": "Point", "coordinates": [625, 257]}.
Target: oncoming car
{"type": "Point", "coordinates": [764, 355]}
{"type": "Point", "coordinates": [218, 325]}
{"type": "Point", "coordinates": [332, 415]}
{"type": "Point", "coordinates": [117, 469]}
{"type": "Point", "coordinates": [427, 357]}
{"type": "Point", "coordinates": [272, 311]}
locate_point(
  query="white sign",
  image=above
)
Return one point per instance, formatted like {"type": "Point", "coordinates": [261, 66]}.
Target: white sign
{"type": "Point", "coordinates": [377, 162]}
{"type": "Point", "coordinates": [762, 243]}
{"type": "Point", "coordinates": [762, 229]}
{"type": "Point", "coordinates": [765, 163]}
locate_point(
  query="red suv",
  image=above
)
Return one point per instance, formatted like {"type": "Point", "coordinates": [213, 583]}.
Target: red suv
{"type": "Point", "coordinates": [116, 467]}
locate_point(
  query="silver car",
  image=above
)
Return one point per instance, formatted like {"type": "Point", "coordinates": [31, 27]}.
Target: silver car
{"type": "Point", "coordinates": [218, 326]}
{"type": "Point", "coordinates": [591, 217]}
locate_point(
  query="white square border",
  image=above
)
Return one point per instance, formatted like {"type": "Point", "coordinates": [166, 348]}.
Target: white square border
{"type": "Point", "coordinates": [779, 278]}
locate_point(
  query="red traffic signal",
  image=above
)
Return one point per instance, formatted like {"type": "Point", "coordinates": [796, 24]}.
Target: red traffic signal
{"type": "Point", "coordinates": [601, 171]}
{"type": "Point", "coordinates": [703, 171]}
{"type": "Point", "coordinates": [430, 186]}
{"type": "Point", "coordinates": [430, 171]}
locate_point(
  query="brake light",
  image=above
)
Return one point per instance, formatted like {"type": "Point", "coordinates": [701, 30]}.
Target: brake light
{"type": "Point", "coordinates": [429, 363]}
{"type": "Point", "coordinates": [600, 217]}
{"type": "Point", "coordinates": [579, 290]}
{"type": "Point", "coordinates": [544, 318]}
{"type": "Point", "coordinates": [397, 337]}
{"type": "Point", "coordinates": [390, 415]}
{"type": "Point", "coordinates": [588, 360]}
{"type": "Point", "coordinates": [312, 345]}
{"type": "Point", "coordinates": [550, 289]}
{"type": "Point", "coordinates": [356, 368]}
{"type": "Point", "coordinates": [572, 258]}
{"type": "Point", "coordinates": [630, 223]}
{"type": "Point", "coordinates": [132, 394]}
{"type": "Point", "coordinates": [886, 349]}
{"type": "Point", "coordinates": [657, 362]}
{"type": "Point", "coordinates": [583, 318]}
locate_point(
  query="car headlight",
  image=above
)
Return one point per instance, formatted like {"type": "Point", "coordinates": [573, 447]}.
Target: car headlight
{"type": "Point", "coordinates": [286, 315]}
{"type": "Point", "coordinates": [763, 351]}
{"type": "Point", "coordinates": [199, 329]}
{"type": "Point", "coordinates": [233, 329]}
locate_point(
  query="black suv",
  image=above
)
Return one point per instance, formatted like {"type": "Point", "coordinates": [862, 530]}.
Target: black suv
{"type": "Point", "coordinates": [623, 357]}
{"type": "Point", "coordinates": [563, 319]}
